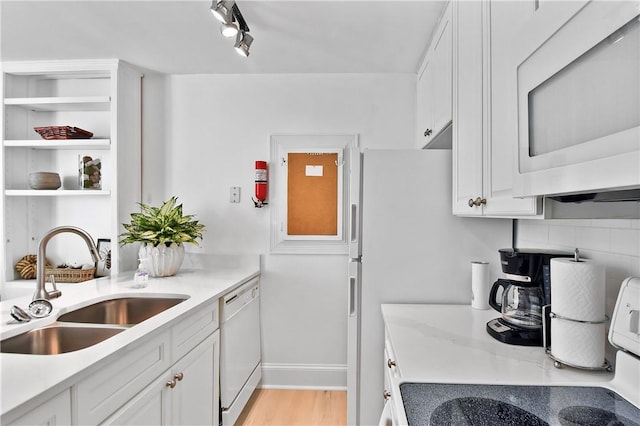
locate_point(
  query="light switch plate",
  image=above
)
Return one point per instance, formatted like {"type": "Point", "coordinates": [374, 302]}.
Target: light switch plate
{"type": "Point", "coordinates": [234, 194]}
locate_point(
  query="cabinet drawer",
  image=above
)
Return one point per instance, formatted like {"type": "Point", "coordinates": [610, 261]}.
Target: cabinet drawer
{"type": "Point", "coordinates": [193, 329]}
{"type": "Point", "coordinates": [111, 387]}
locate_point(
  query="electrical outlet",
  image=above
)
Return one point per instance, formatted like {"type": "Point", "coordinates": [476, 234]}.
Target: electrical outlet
{"type": "Point", "coordinates": [234, 194]}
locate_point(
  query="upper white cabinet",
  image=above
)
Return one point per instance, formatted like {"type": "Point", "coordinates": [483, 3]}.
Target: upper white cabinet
{"type": "Point", "coordinates": [434, 98]}
{"type": "Point", "coordinates": [484, 109]}
{"type": "Point", "coordinates": [101, 96]}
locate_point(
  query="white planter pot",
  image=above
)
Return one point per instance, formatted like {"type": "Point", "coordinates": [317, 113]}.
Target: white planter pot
{"type": "Point", "coordinates": [161, 261]}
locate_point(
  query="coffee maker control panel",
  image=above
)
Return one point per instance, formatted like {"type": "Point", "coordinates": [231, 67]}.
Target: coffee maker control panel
{"type": "Point", "coordinates": [624, 332]}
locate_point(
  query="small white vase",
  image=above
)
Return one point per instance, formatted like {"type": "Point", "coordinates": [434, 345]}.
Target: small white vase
{"type": "Point", "coordinates": [161, 260]}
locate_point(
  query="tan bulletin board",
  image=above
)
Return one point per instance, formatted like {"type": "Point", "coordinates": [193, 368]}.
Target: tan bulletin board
{"type": "Point", "coordinates": [312, 188]}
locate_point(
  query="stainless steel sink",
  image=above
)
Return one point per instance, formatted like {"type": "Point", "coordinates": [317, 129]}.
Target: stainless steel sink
{"type": "Point", "coordinates": [56, 339]}
{"type": "Point", "coordinates": [123, 311]}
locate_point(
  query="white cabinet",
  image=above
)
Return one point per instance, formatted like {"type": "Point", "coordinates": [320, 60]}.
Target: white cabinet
{"type": "Point", "coordinates": [434, 97]}
{"type": "Point", "coordinates": [194, 399]}
{"type": "Point", "coordinates": [485, 116]}
{"type": "Point", "coordinates": [101, 96]}
{"type": "Point", "coordinates": [391, 395]}
{"type": "Point", "coordinates": [55, 411]}
{"type": "Point", "coordinates": [187, 394]}
{"type": "Point", "coordinates": [171, 378]}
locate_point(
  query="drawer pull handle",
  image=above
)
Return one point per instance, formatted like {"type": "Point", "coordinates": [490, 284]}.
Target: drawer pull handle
{"type": "Point", "coordinates": [391, 363]}
{"type": "Point", "coordinates": [178, 377]}
{"type": "Point", "coordinates": [171, 384]}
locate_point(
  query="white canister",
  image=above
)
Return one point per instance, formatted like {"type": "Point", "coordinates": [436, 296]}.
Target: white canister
{"type": "Point", "coordinates": [480, 284]}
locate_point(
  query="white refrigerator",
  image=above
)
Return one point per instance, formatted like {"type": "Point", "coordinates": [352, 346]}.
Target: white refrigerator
{"type": "Point", "coordinates": [405, 247]}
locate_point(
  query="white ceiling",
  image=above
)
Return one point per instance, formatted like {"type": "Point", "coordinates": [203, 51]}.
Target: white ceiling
{"type": "Point", "coordinates": [183, 37]}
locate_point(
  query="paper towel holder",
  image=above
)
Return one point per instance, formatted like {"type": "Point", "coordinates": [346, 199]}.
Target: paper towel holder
{"type": "Point", "coordinates": [576, 255]}
{"type": "Point", "coordinates": [606, 366]}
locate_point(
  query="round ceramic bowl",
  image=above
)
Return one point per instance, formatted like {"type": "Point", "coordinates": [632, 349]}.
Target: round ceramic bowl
{"type": "Point", "coordinates": [44, 180]}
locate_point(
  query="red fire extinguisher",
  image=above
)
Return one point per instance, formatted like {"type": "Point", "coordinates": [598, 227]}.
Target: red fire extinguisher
{"type": "Point", "coordinates": [261, 184]}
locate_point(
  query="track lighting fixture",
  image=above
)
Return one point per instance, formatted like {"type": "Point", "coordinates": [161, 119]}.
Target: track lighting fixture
{"type": "Point", "coordinates": [243, 42]}
{"type": "Point", "coordinates": [222, 10]}
{"type": "Point", "coordinates": [229, 30]}
{"type": "Point", "coordinates": [233, 24]}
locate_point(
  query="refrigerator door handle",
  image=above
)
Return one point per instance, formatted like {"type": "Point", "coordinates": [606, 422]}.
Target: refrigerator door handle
{"type": "Point", "coordinates": [354, 223]}
{"type": "Point", "coordinates": [352, 296]}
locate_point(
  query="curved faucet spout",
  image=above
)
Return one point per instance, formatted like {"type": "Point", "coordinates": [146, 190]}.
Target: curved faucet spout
{"type": "Point", "coordinates": [41, 292]}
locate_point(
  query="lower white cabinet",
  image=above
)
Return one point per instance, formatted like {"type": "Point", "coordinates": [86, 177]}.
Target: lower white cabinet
{"type": "Point", "coordinates": [389, 415]}
{"type": "Point", "coordinates": [186, 394]}
{"type": "Point", "coordinates": [169, 378]}
{"type": "Point", "coordinates": [55, 411]}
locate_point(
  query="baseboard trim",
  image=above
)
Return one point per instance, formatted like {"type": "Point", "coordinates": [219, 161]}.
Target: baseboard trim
{"type": "Point", "coordinates": [304, 376]}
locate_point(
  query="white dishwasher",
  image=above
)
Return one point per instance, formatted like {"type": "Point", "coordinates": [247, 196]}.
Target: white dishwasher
{"type": "Point", "coordinates": [240, 353]}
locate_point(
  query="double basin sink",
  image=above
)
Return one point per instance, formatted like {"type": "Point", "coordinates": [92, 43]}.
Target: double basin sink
{"type": "Point", "coordinates": [87, 326]}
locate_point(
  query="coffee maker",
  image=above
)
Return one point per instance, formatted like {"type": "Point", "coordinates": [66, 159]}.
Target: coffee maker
{"type": "Point", "coordinates": [526, 289]}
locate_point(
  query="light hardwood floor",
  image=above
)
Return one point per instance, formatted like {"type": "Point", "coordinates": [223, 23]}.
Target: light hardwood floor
{"type": "Point", "coordinates": [295, 407]}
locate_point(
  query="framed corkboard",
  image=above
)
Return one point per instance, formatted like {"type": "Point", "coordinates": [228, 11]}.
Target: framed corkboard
{"type": "Point", "coordinates": [309, 179]}
{"type": "Point", "coordinates": [312, 193]}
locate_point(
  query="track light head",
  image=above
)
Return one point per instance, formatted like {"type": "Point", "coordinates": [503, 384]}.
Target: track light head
{"type": "Point", "coordinates": [243, 42]}
{"type": "Point", "coordinates": [229, 30]}
{"type": "Point", "coordinates": [222, 10]}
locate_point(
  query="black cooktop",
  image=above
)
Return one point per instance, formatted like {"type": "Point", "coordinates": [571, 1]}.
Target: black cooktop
{"type": "Point", "coordinates": [437, 404]}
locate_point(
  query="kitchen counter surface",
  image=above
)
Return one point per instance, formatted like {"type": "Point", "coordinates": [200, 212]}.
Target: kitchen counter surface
{"type": "Point", "coordinates": [449, 344]}
{"type": "Point", "coordinates": [35, 378]}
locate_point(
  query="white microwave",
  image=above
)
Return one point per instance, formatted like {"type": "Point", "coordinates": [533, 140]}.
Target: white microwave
{"type": "Point", "coordinates": [579, 104]}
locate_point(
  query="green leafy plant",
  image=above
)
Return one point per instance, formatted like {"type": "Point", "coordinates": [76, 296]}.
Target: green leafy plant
{"type": "Point", "coordinates": [162, 225]}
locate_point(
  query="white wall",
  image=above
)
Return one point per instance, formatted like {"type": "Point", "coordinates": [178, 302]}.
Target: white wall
{"type": "Point", "coordinates": [614, 243]}
{"type": "Point", "coordinates": [202, 134]}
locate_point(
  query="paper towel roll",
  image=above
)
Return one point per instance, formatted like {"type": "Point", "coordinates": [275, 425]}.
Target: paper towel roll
{"type": "Point", "coordinates": [578, 344]}
{"type": "Point", "coordinates": [480, 284]}
{"type": "Point", "coordinates": [577, 289]}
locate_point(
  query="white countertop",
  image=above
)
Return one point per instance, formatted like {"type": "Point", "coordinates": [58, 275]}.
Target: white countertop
{"type": "Point", "coordinates": [203, 278]}
{"type": "Point", "coordinates": [449, 344]}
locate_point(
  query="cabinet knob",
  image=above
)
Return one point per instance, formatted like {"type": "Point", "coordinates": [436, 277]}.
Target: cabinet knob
{"type": "Point", "coordinates": [391, 363]}
{"type": "Point", "coordinates": [178, 377]}
{"type": "Point", "coordinates": [428, 132]}
{"type": "Point", "coordinates": [386, 395]}
{"type": "Point", "coordinates": [171, 384]}
{"type": "Point", "coordinates": [477, 202]}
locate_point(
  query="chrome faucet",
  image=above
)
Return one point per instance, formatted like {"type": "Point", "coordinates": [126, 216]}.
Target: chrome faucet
{"type": "Point", "coordinates": [41, 292]}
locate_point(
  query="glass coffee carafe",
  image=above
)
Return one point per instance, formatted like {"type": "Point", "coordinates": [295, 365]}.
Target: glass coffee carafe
{"type": "Point", "coordinates": [521, 303]}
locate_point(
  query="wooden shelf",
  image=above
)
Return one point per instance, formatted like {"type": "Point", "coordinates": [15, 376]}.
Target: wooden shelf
{"type": "Point", "coordinates": [79, 103]}
{"type": "Point", "coordinates": [59, 143]}
{"type": "Point", "coordinates": [55, 192]}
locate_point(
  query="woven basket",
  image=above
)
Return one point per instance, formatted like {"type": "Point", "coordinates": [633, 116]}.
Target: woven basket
{"type": "Point", "coordinates": [69, 275]}
{"type": "Point", "coordinates": [63, 132]}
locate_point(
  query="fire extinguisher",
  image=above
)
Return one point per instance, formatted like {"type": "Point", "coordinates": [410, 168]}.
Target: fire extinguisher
{"type": "Point", "coordinates": [261, 184]}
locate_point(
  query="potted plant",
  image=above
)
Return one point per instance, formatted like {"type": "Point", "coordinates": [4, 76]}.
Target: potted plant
{"type": "Point", "coordinates": [163, 231]}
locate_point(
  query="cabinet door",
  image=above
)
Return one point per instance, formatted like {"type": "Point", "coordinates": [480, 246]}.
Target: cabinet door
{"type": "Point", "coordinates": [507, 20]}
{"type": "Point", "coordinates": [56, 411]}
{"type": "Point", "coordinates": [149, 407]}
{"type": "Point", "coordinates": [425, 103]}
{"type": "Point", "coordinates": [467, 107]}
{"type": "Point", "coordinates": [443, 73]}
{"type": "Point", "coordinates": [194, 399]}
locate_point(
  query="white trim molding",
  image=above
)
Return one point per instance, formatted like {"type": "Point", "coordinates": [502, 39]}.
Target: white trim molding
{"type": "Point", "coordinates": [304, 376]}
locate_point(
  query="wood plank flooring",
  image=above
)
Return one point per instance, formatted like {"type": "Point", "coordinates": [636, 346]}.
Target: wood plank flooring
{"type": "Point", "coordinates": [295, 407]}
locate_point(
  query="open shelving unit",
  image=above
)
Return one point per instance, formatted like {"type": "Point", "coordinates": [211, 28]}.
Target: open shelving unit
{"type": "Point", "coordinates": [102, 96]}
